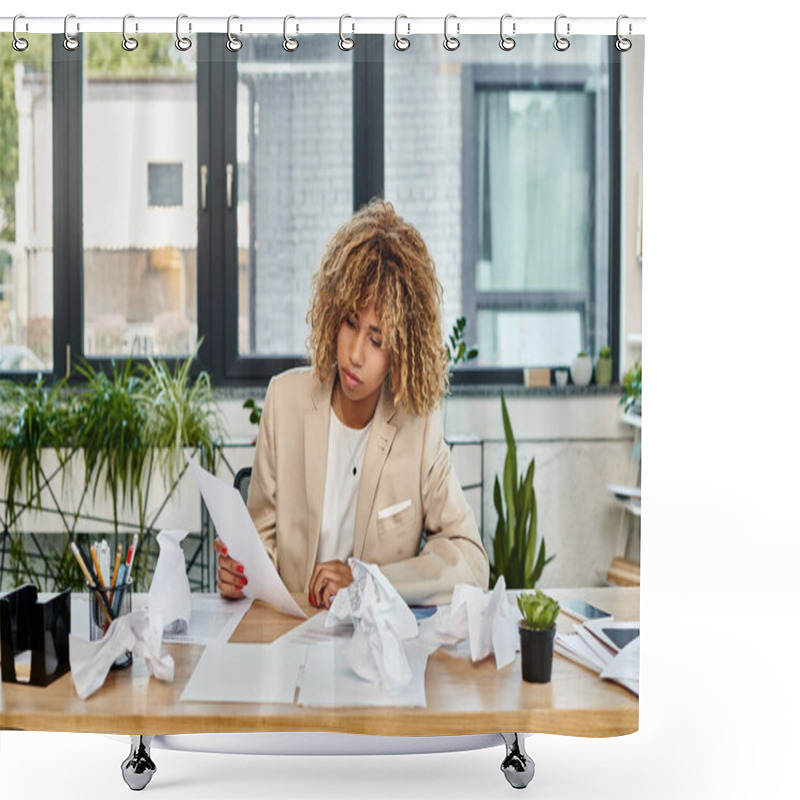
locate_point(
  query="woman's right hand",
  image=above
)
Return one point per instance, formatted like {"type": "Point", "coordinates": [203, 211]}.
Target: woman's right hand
{"type": "Point", "coordinates": [230, 573]}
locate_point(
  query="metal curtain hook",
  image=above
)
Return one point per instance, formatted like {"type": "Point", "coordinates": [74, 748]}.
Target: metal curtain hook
{"type": "Point", "coordinates": [400, 42]}
{"type": "Point", "coordinates": [128, 42]}
{"type": "Point", "coordinates": [289, 44]}
{"type": "Point", "coordinates": [451, 42]}
{"type": "Point", "coordinates": [183, 43]}
{"type": "Point", "coordinates": [70, 42]}
{"type": "Point", "coordinates": [561, 43]}
{"type": "Point", "coordinates": [506, 42]}
{"type": "Point", "coordinates": [233, 44]}
{"type": "Point", "coordinates": [345, 42]}
{"type": "Point", "coordinates": [623, 45]}
{"type": "Point", "coordinates": [19, 44]}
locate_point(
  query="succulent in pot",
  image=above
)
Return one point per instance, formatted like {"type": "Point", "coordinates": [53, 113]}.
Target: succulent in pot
{"type": "Point", "coordinates": [537, 633]}
{"type": "Point", "coordinates": [581, 369]}
{"type": "Point", "coordinates": [602, 367]}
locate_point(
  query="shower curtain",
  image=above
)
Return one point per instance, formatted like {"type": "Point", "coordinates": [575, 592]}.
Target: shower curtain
{"type": "Point", "coordinates": [165, 203]}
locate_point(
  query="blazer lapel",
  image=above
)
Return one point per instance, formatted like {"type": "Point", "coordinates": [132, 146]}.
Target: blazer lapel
{"type": "Point", "coordinates": [380, 441]}
{"type": "Point", "coordinates": [317, 421]}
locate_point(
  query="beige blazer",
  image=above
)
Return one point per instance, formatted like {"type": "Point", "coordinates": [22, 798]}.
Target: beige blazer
{"type": "Point", "coordinates": [407, 485]}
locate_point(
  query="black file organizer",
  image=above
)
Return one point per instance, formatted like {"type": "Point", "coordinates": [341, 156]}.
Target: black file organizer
{"type": "Point", "coordinates": [41, 627]}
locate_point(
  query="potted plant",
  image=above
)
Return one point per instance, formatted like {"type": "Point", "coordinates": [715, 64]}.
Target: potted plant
{"type": "Point", "coordinates": [95, 447]}
{"type": "Point", "coordinates": [602, 367]}
{"type": "Point", "coordinates": [515, 555]}
{"type": "Point", "coordinates": [581, 369]}
{"type": "Point", "coordinates": [537, 633]}
{"type": "Point", "coordinates": [632, 389]}
{"type": "Point", "coordinates": [457, 350]}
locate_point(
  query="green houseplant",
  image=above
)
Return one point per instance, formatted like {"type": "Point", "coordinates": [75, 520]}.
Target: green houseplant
{"type": "Point", "coordinates": [457, 350]}
{"type": "Point", "coordinates": [515, 555]}
{"type": "Point", "coordinates": [537, 633]}
{"type": "Point", "coordinates": [602, 367]}
{"type": "Point", "coordinates": [127, 425]}
{"type": "Point", "coordinates": [632, 388]}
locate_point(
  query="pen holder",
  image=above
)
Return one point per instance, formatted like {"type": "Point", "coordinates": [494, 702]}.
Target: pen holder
{"type": "Point", "coordinates": [41, 627]}
{"type": "Point", "coordinates": [119, 601]}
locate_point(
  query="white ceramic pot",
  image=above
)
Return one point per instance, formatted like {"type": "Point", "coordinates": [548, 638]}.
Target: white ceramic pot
{"type": "Point", "coordinates": [581, 370]}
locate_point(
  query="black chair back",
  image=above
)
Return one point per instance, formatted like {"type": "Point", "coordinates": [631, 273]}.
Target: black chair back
{"type": "Point", "coordinates": [242, 481]}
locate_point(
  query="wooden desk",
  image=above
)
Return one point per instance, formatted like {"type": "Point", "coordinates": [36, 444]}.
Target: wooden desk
{"type": "Point", "coordinates": [462, 697]}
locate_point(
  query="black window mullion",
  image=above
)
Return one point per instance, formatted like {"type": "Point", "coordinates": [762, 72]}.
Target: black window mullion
{"type": "Point", "coordinates": [67, 207]}
{"type": "Point", "coordinates": [615, 211]}
{"type": "Point", "coordinates": [368, 119]}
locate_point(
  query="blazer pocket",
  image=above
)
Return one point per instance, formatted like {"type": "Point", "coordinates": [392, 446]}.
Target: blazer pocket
{"type": "Point", "coordinates": [396, 517]}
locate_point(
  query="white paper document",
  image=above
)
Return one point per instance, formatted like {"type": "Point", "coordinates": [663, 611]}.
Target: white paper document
{"type": "Point", "coordinates": [316, 629]}
{"type": "Point", "coordinates": [235, 527]}
{"type": "Point", "coordinates": [624, 668]}
{"type": "Point", "coordinates": [246, 673]}
{"type": "Point", "coordinates": [329, 681]}
{"type": "Point", "coordinates": [213, 621]}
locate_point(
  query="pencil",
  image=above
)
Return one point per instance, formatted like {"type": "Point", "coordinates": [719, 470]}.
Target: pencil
{"type": "Point", "coordinates": [116, 571]}
{"type": "Point", "coordinates": [90, 582]}
{"type": "Point", "coordinates": [100, 581]}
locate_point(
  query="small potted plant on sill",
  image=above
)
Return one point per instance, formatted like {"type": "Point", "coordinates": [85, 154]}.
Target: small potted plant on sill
{"type": "Point", "coordinates": [602, 367]}
{"type": "Point", "coordinates": [581, 369]}
{"type": "Point", "coordinates": [537, 633]}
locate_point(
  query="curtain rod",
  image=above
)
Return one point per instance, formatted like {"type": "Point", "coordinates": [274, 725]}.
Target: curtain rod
{"type": "Point", "coordinates": [407, 26]}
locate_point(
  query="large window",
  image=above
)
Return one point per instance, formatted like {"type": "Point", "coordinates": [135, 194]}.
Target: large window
{"type": "Point", "coordinates": [504, 161]}
{"type": "Point", "coordinates": [294, 142]}
{"type": "Point", "coordinates": [26, 207]}
{"type": "Point", "coordinates": [139, 163]}
{"type": "Point", "coordinates": [195, 192]}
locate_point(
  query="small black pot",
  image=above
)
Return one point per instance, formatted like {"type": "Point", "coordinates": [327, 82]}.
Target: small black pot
{"type": "Point", "coordinates": [536, 648]}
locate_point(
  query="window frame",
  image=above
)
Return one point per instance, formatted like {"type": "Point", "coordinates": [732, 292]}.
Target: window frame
{"type": "Point", "coordinates": [499, 77]}
{"type": "Point", "coordinates": [217, 290]}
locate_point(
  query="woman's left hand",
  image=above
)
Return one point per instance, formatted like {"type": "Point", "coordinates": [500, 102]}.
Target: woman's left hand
{"type": "Point", "coordinates": [326, 579]}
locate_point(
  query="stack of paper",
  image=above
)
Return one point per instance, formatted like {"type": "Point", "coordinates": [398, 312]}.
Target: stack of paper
{"type": "Point", "coordinates": [608, 648]}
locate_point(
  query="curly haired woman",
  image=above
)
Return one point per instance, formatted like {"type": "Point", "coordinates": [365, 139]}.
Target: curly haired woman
{"type": "Point", "coordinates": [351, 457]}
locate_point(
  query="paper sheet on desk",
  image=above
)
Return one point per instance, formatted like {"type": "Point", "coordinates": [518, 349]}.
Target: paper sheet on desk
{"type": "Point", "coordinates": [246, 673]}
{"type": "Point", "coordinates": [213, 620]}
{"type": "Point", "coordinates": [316, 629]}
{"type": "Point", "coordinates": [328, 680]}
{"type": "Point", "coordinates": [235, 527]}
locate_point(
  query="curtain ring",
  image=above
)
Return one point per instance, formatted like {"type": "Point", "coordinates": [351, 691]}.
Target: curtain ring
{"type": "Point", "coordinates": [289, 44]}
{"type": "Point", "coordinates": [128, 42]}
{"type": "Point", "coordinates": [70, 42]}
{"type": "Point", "coordinates": [451, 43]}
{"type": "Point", "coordinates": [183, 43]}
{"type": "Point", "coordinates": [400, 42]}
{"type": "Point", "coordinates": [345, 42]}
{"type": "Point", "coordinates": [506, 42]}
{"type": "Point", "coordinates": [233, 44]}
{"type": "Point", "coordinates": [19, 44]}
{"type": "Point", "coordinates": [623, 45]}
{"type": "Point", "coordinates": [561, 43]}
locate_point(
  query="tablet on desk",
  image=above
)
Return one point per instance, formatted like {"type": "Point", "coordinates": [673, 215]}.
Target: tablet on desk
{"type": "Point", "coordinates": [581, 610]}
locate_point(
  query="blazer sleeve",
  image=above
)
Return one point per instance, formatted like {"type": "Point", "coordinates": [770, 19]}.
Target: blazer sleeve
{"type": "Point", "coordinates": [262, 494]}
{"type": "Point", "coordinates": [453, 552]}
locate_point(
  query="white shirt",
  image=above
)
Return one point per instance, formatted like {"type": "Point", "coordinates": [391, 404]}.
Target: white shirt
{"type": "Point", "coordinates": [346, 448]}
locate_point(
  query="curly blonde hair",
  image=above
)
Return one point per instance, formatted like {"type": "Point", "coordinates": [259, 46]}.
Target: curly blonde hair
{"type": "Point", "coordinates": [377, 257]}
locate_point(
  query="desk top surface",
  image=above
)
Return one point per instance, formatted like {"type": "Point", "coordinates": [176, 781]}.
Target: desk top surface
{"type": "Point", "coordinates": [462, 697]}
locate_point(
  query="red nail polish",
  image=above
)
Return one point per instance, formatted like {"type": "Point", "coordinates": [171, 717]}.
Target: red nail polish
{"type": "Point", "coordinates": [224, 551]}
{"type": "Point", "coordinates": [243, 582]}
{"type": "Point", "coordinates": [240, 569]}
